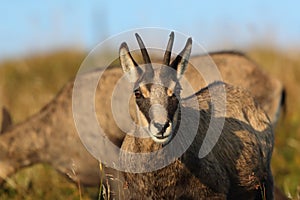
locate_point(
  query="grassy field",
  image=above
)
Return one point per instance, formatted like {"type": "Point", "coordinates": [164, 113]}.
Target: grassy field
{"type": "Point", "coordinates": [286, 156]}
{"type": "Point", "coordinates": [28, 84]}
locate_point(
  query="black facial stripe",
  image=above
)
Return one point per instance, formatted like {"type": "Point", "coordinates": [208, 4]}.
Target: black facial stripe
{"type": "Point", "coordinates": [148, 86]}
{"type": "Point", "coordinates": [173, 104]}
{"type": "Point", "coordinates": [144, 106]}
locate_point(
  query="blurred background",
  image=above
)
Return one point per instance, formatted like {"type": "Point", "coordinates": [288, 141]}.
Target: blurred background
{"type": "Point", "coordinates": [32, 26]}
{"type": "Point", "coordinates": [42, 44]}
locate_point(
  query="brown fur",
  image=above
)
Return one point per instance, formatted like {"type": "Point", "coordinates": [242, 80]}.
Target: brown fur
{"type": "Point", "coordinates": [238, 70]}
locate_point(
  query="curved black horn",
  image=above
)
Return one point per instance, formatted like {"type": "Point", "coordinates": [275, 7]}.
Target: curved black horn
{"type": "Point", "coordinates": [145, 54]}
{"type": "Point", "coordinates": [143, 49]}
{"type": "Point", "coordinates": [167, 56]}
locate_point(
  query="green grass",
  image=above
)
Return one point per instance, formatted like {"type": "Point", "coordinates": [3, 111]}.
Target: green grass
{"type": "Point", "coordinates": [44, 76]}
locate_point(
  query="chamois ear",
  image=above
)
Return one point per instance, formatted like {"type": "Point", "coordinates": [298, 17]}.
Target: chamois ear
{"type": "Point", "coordinates": [181, 61]}
{"type": "Point", "coordinates": [6, 120]}
{"type": "Point", "coordinates": [129, 66]}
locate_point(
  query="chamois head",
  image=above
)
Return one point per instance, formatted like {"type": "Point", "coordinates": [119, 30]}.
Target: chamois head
{"type": "Point", "coordinates": [157, 88]}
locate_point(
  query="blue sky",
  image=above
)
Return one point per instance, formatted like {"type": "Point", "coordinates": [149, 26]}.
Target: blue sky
{"type": "Point", "coordinates": [34, 26]}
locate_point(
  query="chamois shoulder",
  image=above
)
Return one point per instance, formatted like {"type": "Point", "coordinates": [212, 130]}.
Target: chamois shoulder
{"type": "Point", "coordinates": [224, 100]}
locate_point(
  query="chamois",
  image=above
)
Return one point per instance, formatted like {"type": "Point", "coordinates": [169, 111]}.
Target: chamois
{"type": "Point", "coordinates": [238, 165]}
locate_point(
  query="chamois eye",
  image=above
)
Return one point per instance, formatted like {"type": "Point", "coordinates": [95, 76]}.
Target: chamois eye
{"type": "Point", "coordinates": [137, 94]}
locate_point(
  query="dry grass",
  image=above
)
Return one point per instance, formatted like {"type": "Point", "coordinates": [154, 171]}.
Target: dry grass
{"type": "Point", "coordinates": [286, 157]}
{"type": "Point", "coordinates": [25, 86]}
{"type": "Point", "coordinates": [28, 84]}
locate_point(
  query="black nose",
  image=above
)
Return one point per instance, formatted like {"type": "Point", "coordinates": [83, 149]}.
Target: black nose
{"type": "Point", "coordinates": [161, 127]}
{"type": "Point", "coordinates": [158, 125]}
